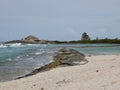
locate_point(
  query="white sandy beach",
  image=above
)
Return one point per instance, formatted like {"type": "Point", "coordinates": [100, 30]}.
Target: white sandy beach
{"type": "Point", "coordinates": [100, 73]}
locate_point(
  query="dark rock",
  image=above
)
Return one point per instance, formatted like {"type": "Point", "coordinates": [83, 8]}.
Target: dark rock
{"type": "Point", "coordinates": [31, 38]}
{"type": "Point", "coordinates": [68, 57]}
{"type": "Point", "coordinates": [42, 88]}
{"type": "Point", "coordinates": [97, 70]}
{"type": "Point", "coordinates": [34, 85]}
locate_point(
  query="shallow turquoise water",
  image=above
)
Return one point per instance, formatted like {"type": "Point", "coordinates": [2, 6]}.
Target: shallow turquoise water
{"type": "Point", "coordinates": [18, 59]}
{"type": "Point", "coordinates": [13, 50]}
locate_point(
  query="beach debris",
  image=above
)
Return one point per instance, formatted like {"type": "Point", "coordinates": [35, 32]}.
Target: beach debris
{"type": "Point", "coordinates": [34, 85]}
{"type": "Point", "coordinates": [42, 88]}
{"type": "Point", "coordinates": [97, 70]}
{"type": "Point", "coordinates": [63, 81]}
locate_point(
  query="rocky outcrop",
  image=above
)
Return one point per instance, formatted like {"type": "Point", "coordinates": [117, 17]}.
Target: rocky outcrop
{"type": "Point", "coordinates": [70, 57]}
{"type": "Point", "coordinates": [31, 38]}
{"type": "Point", "coordinates": [34, 40]}
{"type": "Point", "coordinates": [64, 57]}
{"type": "Point", "coordinates": [85, 37]}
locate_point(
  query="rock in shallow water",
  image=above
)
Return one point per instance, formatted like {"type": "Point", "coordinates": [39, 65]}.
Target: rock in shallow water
{"type": "Point", "coordinates": [67, 57]}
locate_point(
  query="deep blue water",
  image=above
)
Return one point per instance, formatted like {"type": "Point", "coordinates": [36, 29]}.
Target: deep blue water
{"type": "Point", "coordinates": [18, 59]}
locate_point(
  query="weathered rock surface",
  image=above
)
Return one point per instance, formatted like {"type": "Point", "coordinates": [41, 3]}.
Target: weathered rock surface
{"type": "Point", "coordinates": [67, 57]}
{"type": "Point", "coordinates": [30, 40]}
{"type": "Point", "coordinates": [70, 57]}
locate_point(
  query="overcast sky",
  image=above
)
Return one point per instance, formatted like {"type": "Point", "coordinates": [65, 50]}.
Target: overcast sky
{"type": "Point", "coordinates": [59, 19]}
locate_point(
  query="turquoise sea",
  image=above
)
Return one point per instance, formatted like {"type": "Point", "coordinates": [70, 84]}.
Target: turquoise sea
{"type": "Point", "coordinates": [19, 59]}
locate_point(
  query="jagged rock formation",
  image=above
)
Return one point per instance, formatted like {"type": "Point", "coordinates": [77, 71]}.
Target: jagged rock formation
{"type": "Point", "coordinates": [85, 37]}
{"type": "Point", "coordinates": [31, 38]}
{"type": "Point", "coordinates": [64, 57]}
{"type": "Point", "coordinates": [34, 40]}
{"type": "Point", "coordinates": [70, 57]}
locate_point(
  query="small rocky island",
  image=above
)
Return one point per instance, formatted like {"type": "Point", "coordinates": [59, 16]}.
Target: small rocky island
{"type": "Point", "coordinates": [31, 39]}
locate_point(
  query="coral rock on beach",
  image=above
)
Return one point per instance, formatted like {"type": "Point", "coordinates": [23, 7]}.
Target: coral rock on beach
{"type": "Point", "coordinates": [70, 57]}
{"type": "Point", "coordinates": [64, 57]}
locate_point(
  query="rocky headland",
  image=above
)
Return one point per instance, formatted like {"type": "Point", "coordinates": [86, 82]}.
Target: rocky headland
{"type": "Point", "coordinates": [31, 39]}
{"type": "Point", "coordinates": [64, 57]}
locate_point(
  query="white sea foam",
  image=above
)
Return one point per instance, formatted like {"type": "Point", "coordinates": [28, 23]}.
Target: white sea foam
{"type": "Point", "coordinates": [38, 53]}
{"type": "Point", "coordinates": [27, 55]}
{"type": "Point", "coordinates": [15, 45]}
{"type": "Point", "coordinates": [44, 45]}
{"type": "Point", "coordinates": [9, 59]}
{"type": "Point", "coordinates": [2, 46]}
{"type": "Point", "coordinates": [50, 61]}
{"type": "Point", "coordinates": [11, 45]}
{"type": "Point", "coordinates": [20, 45]}
{"type": "Point", "coordinates": [29, 44]}
{"type": "Point", "coordinates": [32, 44]}
{"type": "Point", "coordinates": [18, 57]}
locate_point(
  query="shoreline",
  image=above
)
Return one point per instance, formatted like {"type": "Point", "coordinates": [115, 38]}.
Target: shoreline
{"type": "Point", "coordinates": [42, 69]}
{"type": "Point", "coordinates": [101, 72]}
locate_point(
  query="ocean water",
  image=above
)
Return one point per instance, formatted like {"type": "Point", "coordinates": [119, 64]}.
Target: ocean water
{"type": "Point", "coordinates": [19, 59]}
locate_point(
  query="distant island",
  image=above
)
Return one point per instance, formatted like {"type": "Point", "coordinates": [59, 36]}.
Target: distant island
{"type": "Point", "coordinates": [85, 39]}
{"type": "Point", "coordinates": [31, 39]}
